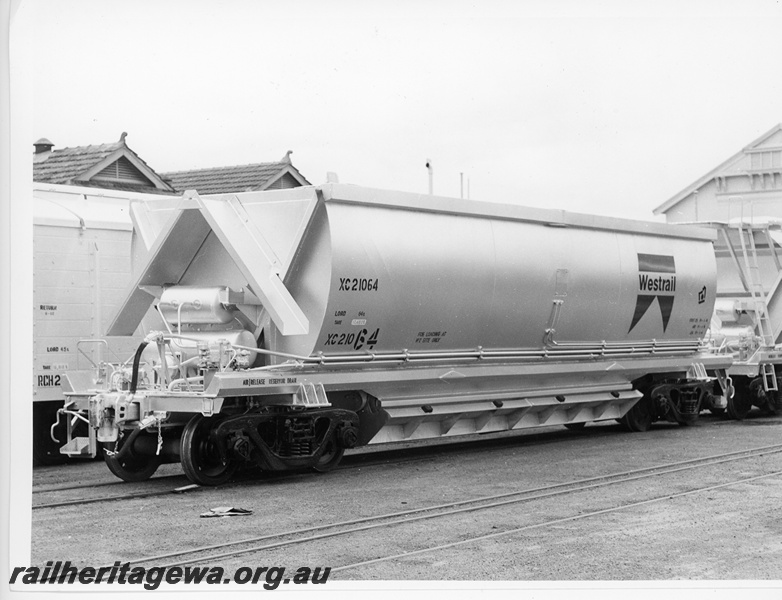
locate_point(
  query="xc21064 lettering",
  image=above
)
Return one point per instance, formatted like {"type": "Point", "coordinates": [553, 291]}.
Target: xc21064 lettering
{"type": "Point", "coordinates": [360, 284]}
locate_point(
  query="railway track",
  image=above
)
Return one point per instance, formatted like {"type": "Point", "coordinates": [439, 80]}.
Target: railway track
{"type": "Point", "coordinates": [553, 522]}
{"type": "Point", "coordinates": [209, 554]}
{"type": "Point", "coordinates": [368, 459]}
{"type": "Point", "coordinates": [250, 478]}
{"type": "Point", "coordinates": [97, 484]}
{"type": "Point", "coordinates": [114, 498]}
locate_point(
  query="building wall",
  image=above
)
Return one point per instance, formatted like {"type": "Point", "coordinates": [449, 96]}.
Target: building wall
{"type": "Point", "coordinates": [710, 205]}
{"type": "Point", "coordinates": [748, 187]}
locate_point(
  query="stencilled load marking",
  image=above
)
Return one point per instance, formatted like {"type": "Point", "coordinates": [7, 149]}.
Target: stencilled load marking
{"type": "Point", "coordinates": [699, 326]}
{"type": "Point", "coordinates": [429, 337]}
{"type": "Point", "coordinates": [355, 322]}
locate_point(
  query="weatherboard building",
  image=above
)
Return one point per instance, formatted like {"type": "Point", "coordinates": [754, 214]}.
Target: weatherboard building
{"type": "Point", "coordinates": [747, 186]}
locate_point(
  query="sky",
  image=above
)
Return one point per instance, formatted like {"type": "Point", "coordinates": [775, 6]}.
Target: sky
{"type": "Point", "coordinates": [601, 107]}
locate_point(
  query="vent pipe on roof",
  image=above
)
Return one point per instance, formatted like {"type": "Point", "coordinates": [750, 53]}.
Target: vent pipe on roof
{"type": "Point", "coordinates": [43, 145]}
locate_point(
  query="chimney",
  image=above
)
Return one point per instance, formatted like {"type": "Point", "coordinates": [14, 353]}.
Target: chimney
{"type": "Point", "coordinates": [43, 148]}
{"type": "Point", "coordinates": [43, 145]}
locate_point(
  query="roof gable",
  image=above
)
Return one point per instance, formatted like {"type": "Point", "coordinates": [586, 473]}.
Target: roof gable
{"type": "Point", "coordinates": [739, 163]}
{"type": "Point", "coordinates": [113, 166]}
{"type": "Point", "coordinates": [121, 168]}
{"type": "Point", "coordinates": [770, 139]}
{"type": "Point", "coordinates": [242, 178]}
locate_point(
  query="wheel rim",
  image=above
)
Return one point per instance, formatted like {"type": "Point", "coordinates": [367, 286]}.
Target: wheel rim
{"type": "Point", "coordinates": [639, 418]}
{"type": "Point", "coordinates": [330, 457]}
{"type": "Point", "coordinates": [769, 401]}
{"type": "Point", "coordinates": [771, 404]}
{"type": "Point", "coordinates": [741, 402]}
{"type": "Point", "coordinates": [199, 454]}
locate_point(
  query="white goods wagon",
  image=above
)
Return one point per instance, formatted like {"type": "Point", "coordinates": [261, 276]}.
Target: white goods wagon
{"type": "Point", "coordinates": [83, 251]}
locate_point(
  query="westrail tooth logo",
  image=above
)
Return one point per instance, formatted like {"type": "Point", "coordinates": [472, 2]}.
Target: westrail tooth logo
{"type": "Point", "coordinates": [656, 281]}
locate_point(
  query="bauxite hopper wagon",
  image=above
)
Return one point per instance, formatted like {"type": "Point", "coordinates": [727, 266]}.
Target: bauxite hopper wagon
{"type": "Point", "coordinates": [299, 323]}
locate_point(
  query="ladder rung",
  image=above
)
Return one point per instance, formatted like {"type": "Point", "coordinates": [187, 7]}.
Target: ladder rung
{"type": "Point", "coordinates": [755, 285]}
{"type": "Point", "coordinates": [769, 377]}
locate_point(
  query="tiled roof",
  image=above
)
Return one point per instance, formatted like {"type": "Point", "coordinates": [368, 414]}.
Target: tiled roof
{"type": "Point", "coordinates": [70, 165]}
{"type": "Point", "coordinates": [228, 180]}
{"type": "Point", "coordinates": [65, 164]}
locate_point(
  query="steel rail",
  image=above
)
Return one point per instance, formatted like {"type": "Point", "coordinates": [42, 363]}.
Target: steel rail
{"type": "Point", "coordinates": [451, 508]}
{"type": "Point", "coordinates": [240, 481]}
{"type": "Point", "coordinates": [85, 486]}
{"type": "Point", "coordinates": [596, 513]}
{"type": "Point", "coordinates": [83, 501]}
{"type": "Point", "coordinates": [357, 461]}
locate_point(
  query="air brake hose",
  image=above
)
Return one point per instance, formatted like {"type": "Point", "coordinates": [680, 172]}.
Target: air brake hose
{"type": "Point", "coordinates": [136, 363]}
{"type": "Point", "coordinates": [125, 450]}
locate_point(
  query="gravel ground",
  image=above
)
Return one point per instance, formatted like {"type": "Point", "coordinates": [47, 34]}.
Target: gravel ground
{"type": "Point", "coordinates": [727, 533]}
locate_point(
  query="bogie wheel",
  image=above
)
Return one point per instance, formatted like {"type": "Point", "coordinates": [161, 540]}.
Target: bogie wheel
{"type": "Point", "coordinates": [199, 455]}
{"type": "Point", "coordinates": [640, 417]}
{"type": "Point", "coordinates": [741, 402]}
{"type": "Point", "coordinates": [330, 457]}
{"type": "Point", "coordinates": [689, 419]}
{"type": "Point", "coordinates": [773, 402]}
{"type": "Point", "coordinates": [130, 468]}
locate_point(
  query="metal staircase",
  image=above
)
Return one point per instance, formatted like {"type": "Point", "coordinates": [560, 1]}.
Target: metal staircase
{"type": "Point", "coordinates": [754, 285]}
